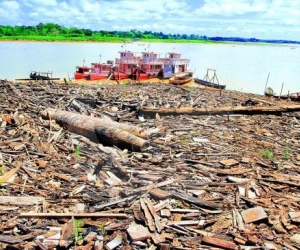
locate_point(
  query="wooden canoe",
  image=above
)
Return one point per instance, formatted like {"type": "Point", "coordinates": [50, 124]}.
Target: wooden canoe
{"type": "Point", "coordinates": [181, 78]}
{"type": "Point", "coordinates": [209, 84]}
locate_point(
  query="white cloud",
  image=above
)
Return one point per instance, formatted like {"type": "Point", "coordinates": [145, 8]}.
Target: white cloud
{"type": "Point", "coordinates": [9, 10]}
{"type": "Point", "coordinates": [37, 3]}
{"type": "Point", "coordinates": [252, 18]}
{"type": "Point", "coordinates": [232, 7]}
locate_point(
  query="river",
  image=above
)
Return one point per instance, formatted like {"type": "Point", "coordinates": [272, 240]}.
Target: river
{"type": "Point", "coordinates": [242, 67]}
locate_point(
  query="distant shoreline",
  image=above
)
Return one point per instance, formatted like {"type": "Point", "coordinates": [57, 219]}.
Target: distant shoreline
{"type": "Point", "coordinates": [156, 41]}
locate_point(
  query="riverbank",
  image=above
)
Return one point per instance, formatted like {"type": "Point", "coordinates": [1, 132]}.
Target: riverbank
{"type": "Point", "coordinates": [228, 180]}
{"type": "Point", "coordinates": [182, 41]}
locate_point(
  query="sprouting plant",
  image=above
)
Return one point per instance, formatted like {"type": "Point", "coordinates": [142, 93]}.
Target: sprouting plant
{"type": "Point", "coordinates": [186, 137]}
{"type": "Point", "coordinates": [181, 142]}
{"type": "Point", "coordinates": [175, 203]}
{"type": "Point", "coordinates": [102, 228]}
{"type": "Point", "coordinates": [286, 153]}
{"type": "Point", "coordinates": [77, 230]}
{"type": "Point", "coordinates": [267, 153]}
{"type": "Point", "coordinates": [195, 133]}
{"type": "Point", "coordinates": [191, 88]}
{"type": "Point", "coordinates": [77, 151]}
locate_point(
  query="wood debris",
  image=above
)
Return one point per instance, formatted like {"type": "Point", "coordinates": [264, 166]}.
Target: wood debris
{"type": "Point", "coordinates": [136, 167]}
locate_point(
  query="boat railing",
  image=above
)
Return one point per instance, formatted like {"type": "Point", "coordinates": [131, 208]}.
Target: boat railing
{"type": "Point", "coordinates": [179, 61]}
{"type": "Point", "coordinates": [154, 62]}
{"type": "Point", "coordinates": [128, 61]}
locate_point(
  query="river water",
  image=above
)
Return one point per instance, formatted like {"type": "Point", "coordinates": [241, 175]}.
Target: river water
{"type": "Point", "coordinates": [242, 67]}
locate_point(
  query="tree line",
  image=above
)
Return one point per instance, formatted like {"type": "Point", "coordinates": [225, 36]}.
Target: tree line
{"type": "Point", "coordinates": [55, 32]}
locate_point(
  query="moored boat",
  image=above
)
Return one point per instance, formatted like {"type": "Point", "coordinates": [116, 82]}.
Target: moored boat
{"type": "Point", "coordinates": [37, 75]}
{"type": "Point", "coordinates": [210, 82]}
{"type": "Point", "coordinates": [173, 65]}
{"type": "Point", "coordinates": [181, 78]}
{"type": "Point", "coordinates": [151, 65]}
{"type": "Point", "coordinates": [82, 72]}
{"type": "Point", "coordinates": [99, 71]}
{"type": "Point", "coordinates": [125, 65]}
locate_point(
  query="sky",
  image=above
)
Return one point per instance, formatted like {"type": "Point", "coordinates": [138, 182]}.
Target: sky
{"type": "Point", "coordinates": [261, 19]}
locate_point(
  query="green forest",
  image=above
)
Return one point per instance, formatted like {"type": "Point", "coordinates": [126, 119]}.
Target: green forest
{"type": "Point", "coordinates": [53, 32]}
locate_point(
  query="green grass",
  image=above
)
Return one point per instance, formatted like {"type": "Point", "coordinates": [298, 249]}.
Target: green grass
{"type": "Point", "coordinates": [77, 151]}
{"type": "Point", "coordinates": [267, 153]}
{"type": "Point", "coordinates": [286, 153]}
{"type": "Point", "coordinates": [77, 230]}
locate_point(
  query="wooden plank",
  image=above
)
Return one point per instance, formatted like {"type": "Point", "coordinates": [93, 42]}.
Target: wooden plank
{"type": "Point", "coordinates": [219, 242]}
{"type": "Point", "coordinates": [201, 203]}
{"type": "Point", "coordinates": [22, 200]}
{"type": "Point", "coordinates": [151, 112]}
{"type": "Point", "coordinates": [82, 215]}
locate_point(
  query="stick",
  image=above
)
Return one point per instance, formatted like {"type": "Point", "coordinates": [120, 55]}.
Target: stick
{"type": "Point", "coordinates": [88, 215]}
{"type": "Point", "coordinates": [281, 89]}
{"type": "Point", "coordinates": [267, 81]}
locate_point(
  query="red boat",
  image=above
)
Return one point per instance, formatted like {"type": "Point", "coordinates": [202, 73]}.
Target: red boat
{"type": "Point", "coordinates": [100, 70]}
{"type": "Point", "coordinates": [118, 74]}
{"type": "Point", "coordinates": [125, 65]}
{"type": "Point", "coordinates": [82, 72]}
{"type": "Point", "coordinates": [152, 65]}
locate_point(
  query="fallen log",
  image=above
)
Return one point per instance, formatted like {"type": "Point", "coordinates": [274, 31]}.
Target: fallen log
{"type": "Point", "coordinates": [151, 112]}
{"type": "Point", "coordinates": [99, 130]}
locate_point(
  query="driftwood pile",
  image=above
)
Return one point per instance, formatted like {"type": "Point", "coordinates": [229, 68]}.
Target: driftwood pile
{"type": "Point", "coordinates": [135, 167]}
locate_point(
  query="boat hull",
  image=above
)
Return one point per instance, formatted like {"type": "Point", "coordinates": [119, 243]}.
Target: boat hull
{"type": "Point", "coordinates": [95, 76]}
{"type": "Point", "coordinates": [119, 76]}
{"type": "Point", "coordinates": [78, 76]}
{"type": "Point", "coordinates": [175, 81]}
{"type": "Point", "coordinates": [181, 78]}
{"type": "Point", "coordinates": [209, 84]}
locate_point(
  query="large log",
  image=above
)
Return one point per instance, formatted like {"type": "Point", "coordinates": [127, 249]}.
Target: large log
{"type": "Point", "coordinates": [99, 130]}
{"type": "Point", "coordinates": [218, 110]}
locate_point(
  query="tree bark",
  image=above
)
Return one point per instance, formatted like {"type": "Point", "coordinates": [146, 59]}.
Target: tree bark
{"type": "Point", "coordinates": [100, 130]}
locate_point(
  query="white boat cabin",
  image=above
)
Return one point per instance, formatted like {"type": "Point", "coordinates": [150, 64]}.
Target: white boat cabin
{"type": "Point", "coordinates": [175, 65]}
{"type": "Point", "coordinates": [127, 61]}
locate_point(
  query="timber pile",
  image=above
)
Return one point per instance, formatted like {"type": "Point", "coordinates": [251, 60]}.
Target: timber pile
{"type": "Point", "coordinates": [215, 181]}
